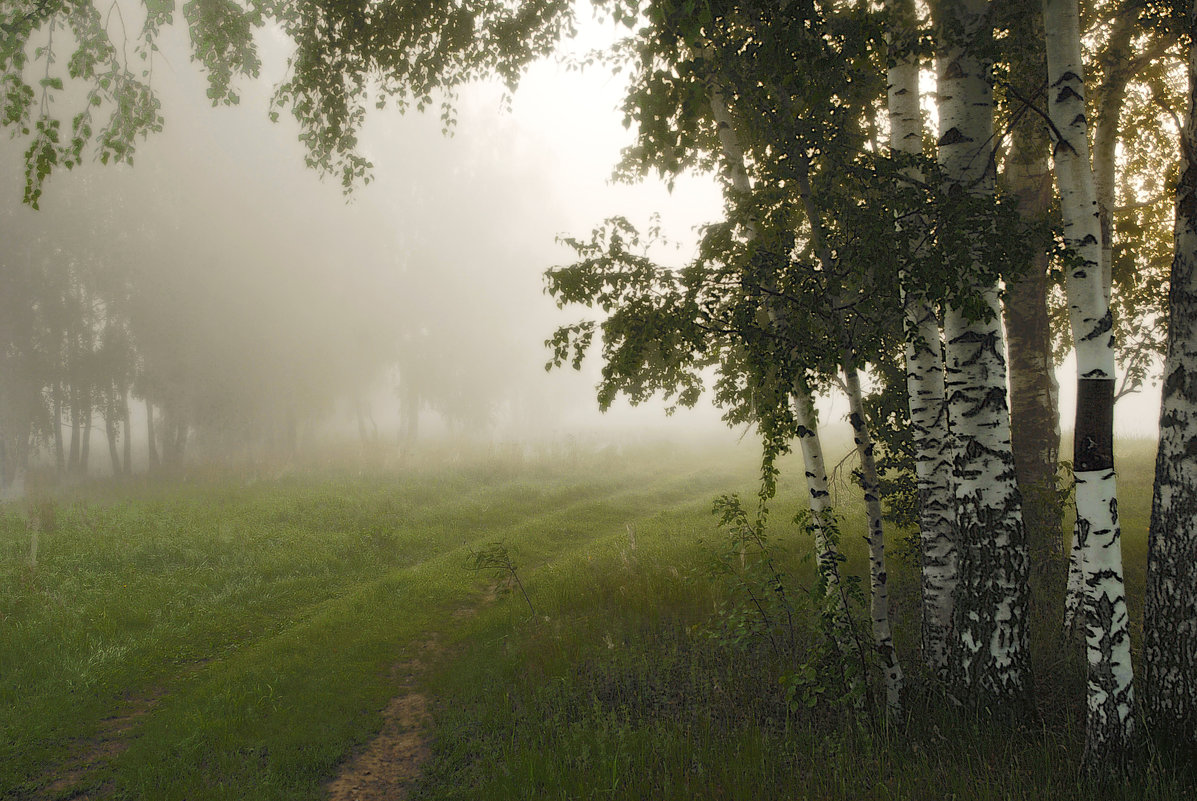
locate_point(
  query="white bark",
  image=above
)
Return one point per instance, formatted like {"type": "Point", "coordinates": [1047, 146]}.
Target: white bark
{"type": "Point", "coordinates": [1170, 615]}
{"type": "Point", "coordinates": [878, 579]}
{"type": "Point", "coordinates": [1074, 593]}
{"type": "Point", "coordinates": [819, 495]}
{"type": "Point", "coordinates": [991, 662]}
{"type": "Point", "coordinates": [878, 574]}
{"type": "Point", "coordinates": [1110, 691]}
{"type": "Point", "coordinates": [924, 372]}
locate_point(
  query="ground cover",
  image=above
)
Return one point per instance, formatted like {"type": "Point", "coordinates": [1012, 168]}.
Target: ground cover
{"type": "Point", "coordinates": [633, 686]}
{"type": "Point", "coordinates": [250, 639]}
{"type": "Point", "coordinates": [223, 639]}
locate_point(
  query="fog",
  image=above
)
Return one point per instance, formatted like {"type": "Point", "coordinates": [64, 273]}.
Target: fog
{"type": "Point", "coordinates": [261, 312]}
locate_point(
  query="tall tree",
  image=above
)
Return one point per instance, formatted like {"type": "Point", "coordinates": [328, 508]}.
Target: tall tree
{"type": "Point", "coordinates": [923, 359]}
{"type": "Point", "coordinates": [1034, 393]}
{"type": "Point", "coordinates": [990, 664]}
{"type": "Point", "coordinates": [1170, 614]}
{"type": "Point", "coordinates": [1110, 689]}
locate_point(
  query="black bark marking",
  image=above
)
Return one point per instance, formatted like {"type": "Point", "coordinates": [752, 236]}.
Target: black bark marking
{"type": "Point", "coordinates": [1105, 324]}
{"type": "Point", "coordinates": [1068, 93]}
{"type": "Point", "coordinates": [1093, 447]}
{"type": "Point", "coordinates": [1066, 77]}
{"type": "Point", "coordinates": [953, 136]}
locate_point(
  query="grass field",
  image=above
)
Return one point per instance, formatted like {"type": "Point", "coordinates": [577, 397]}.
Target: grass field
{"type": "Point", "coordinates": [234, 637]}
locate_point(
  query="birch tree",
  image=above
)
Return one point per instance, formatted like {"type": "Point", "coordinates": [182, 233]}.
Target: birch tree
{"type": "Point", "coordinates": [805, 417]}
{"type": "Point", "coordinates": [990, 661]}
{"type": "Point", "coordinates": [924, 361]}
{"type": "Point", "coordinates": [753, 62]}
{"type": "Point", "coordinates": [1170, 615]}
{"type": "Point", "coordinates": [1110, 690]}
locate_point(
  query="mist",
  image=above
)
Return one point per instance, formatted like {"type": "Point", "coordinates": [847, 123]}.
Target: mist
{"type": "Point", "coordinates": [251, 307]}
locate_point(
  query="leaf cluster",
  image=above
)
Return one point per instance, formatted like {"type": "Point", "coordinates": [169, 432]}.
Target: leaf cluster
{"type": "Point", "coordinates": [346, 53]}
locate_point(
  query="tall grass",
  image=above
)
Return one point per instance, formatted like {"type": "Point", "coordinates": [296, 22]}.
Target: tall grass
{"type": "Point", "coordinates": [629, 689]}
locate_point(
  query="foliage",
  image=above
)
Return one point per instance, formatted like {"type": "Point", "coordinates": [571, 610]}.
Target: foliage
{"type": "Point", "coordinates": [805, 626]}
{"type": "Point", "coordinates": [348, 57]}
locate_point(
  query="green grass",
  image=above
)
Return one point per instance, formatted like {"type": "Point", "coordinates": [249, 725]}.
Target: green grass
{"type": "Point", "coordinates": [259, 620]}
{"type": "Point", "coordinates": [252, 626]}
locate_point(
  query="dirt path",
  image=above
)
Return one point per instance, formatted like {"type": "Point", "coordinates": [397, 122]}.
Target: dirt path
{"type": "Point", "coordinates": [391, 762]}
{"type": "Point", "coordinates": [92, 754]}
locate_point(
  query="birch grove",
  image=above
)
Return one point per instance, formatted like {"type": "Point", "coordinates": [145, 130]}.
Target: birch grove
{"type": "Point", "coordinates": [849, 242]}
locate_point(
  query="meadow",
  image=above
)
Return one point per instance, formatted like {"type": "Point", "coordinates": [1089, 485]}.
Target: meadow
{"type": "Point", "coordinates": [238, 635]}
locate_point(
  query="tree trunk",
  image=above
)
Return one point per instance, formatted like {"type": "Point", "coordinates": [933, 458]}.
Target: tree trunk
{"type": "Point", "coordinates": [85, 445]}
{"type": "Point", "coordinates": [112, 431]}
{"type": "Point", "coordinates": [1170, 614]}
{"type": "Point", "coordinates": [128, 449]}
{"type": "Point", "coordinates": [1111, 96]}
{"type": "Point", "coordinates": [1034, 394]}
{"type": "Point", "coordinates": [878, 576]}
{"type": "Point", "coordinates": [827, 554]}
{"type": "Point", "coordinates": [924, 369]}
{"type": "Point", "coordinates": [990, 665]}
{"type": "Point", "coordinates": [59, 455]}
{"type": "Point", "coordinates": [878, 573]}
{"type": "Point", "coordinates": [1110, 689]}
{"type": "Point", "coordinates": [73, 460]}
{"type": "Point", "coordinates": [151, 442]}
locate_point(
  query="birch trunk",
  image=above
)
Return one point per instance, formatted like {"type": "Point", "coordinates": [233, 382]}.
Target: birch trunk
{"type": "Point", "coordinates": [878, 577]}
{"type": "Point", "coordinates": [1170, 615]}
{"type": "Point", "coordinates": [990, 663]}
{"type": "Point", "coordinates": [924, 371]}
{"type": "Point", "coordinates": [826, 553]}
{"type": "Point", "coordinates": [1110, 689]}
{"type": "Point", "coordinates": [1120, 65]}
{"type": "Point", "coordinates": [878, 574]}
